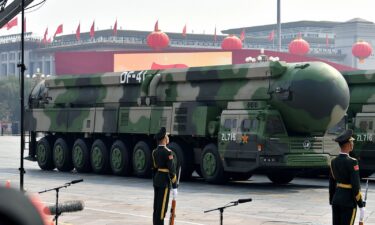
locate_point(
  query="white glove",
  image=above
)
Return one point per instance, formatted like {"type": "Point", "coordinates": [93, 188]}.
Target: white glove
{"type": "Point", "coordinates": [174, 193]}
{"type": "Point", "coordinates": [361, 214]}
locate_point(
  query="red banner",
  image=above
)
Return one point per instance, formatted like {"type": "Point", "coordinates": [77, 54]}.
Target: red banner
{"type": "Point", "coordinates": [59, 30]}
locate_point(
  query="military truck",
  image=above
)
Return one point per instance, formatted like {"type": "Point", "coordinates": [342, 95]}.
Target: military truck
{"type": "Point", "coordinates": [361, 117]}
{"type": "Point", "coordinates": [226, 122]}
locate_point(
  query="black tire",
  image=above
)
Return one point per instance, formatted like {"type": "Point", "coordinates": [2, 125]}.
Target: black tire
{"type": "Point", "coordinates": [62, 155]}
{"type": "Point", "coordinates": [81, 156]}
{"type": "Point", "coordinates": [44, 154]}
{"type": "Point", "coordinates": [142, 159]}
{"type": "Point", "coordinates": [99, 157]}
{"type": "Point", "coordinates": [211, 165]}
{"type": "Point", "coordinates": [182, 159]}
{"type": "Point", "coordinates": [120, 159]}
{"type": "Point", "coordinates": [282, 177]}
{"type": "Point", "coordinates": [241, 176]}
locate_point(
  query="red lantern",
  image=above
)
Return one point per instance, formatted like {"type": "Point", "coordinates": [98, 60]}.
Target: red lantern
{"type": "Point", "coordinates": [231, 43]}
{"type": "Point", "coordinates": [158, 40]}
{"type": "Point", "coordinates": [361, 50]}
{"type": "Point", "coordinates": [299, 47]}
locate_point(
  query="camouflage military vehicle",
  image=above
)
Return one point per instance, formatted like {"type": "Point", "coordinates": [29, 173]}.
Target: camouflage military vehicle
{"type": "Point", "coordinates": [226, 122]}
{"type": "Point", "coordinates": [361, 117]}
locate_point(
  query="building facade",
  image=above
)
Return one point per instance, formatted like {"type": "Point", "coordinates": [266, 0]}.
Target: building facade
{"type": "Point", "coordinates": [330, 41]}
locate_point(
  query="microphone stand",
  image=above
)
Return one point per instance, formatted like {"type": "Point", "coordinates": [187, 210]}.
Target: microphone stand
{"type": "Point", "coordinates": [57, 189]}
{"type": "Point", "coordinates": [221, 209]}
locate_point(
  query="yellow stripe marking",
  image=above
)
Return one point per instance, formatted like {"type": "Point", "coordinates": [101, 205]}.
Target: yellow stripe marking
{"type": "Point", "coordinates": [163, 205]}
{"type": "Point", "coordinates": [174, 179]}
{"type": "Point", "coordinates": [353, 216]}
{"type": "Point", "coordinates": [163, 170]}
{"type": "Point", "coordinates": [358, 196]}
{"type": "Point", "coordinates": [347, 186]}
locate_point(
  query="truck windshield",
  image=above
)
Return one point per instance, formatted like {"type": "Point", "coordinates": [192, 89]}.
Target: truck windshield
{"type": "Point", "coordinates": [274, 125]}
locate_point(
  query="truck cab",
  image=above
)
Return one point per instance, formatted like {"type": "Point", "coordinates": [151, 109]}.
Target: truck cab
{"type": "Point", "coordinates": [364, 145]}
{"type": "Point", "coordinates": [253, 138]}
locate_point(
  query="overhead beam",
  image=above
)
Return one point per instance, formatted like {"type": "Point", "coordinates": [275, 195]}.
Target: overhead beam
{"type": "Point", "coordinates": [12, 10]}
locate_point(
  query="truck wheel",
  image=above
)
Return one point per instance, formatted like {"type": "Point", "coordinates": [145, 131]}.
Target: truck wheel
{"type": "Point", "coordinates": [99, 157]}
{"type": "Point", "coordinates": [62, 156]}
{"type": "Point", "coordinates": [120, 159]}
{"type": "Point", "coordinates": [281, 177]}
{"type": "Point", "coordinates": [81, 156]}
{"type": "Point", "coordinates": [142, 159]}
{"type": "Point", "coordinates": [211, 166]}
{"type": "Point", "coordinates": [44, 154]}
{"type": "Point", "coordinates": [181, 159]}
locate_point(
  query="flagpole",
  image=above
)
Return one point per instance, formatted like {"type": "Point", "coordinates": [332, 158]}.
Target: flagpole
{"type": "Point", "coordinates": [278, 25]}
{"type": "Point", "coordinates": [23, 68]}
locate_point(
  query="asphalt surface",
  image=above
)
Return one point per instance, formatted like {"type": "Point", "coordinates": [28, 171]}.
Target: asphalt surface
{"type": "Point", "coordinates": [111, 200]}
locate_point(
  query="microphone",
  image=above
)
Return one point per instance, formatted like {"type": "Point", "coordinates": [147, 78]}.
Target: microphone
{"type": "Point", "coordinates": [243, 200]}
{"type": "Point", "coordinates": [68, 206]}
{"type": "Point", "coordinates": [76, 181]}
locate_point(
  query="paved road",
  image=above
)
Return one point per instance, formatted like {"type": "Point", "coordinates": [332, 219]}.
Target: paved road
{"type": "Point", "coordinates": [111, 200]}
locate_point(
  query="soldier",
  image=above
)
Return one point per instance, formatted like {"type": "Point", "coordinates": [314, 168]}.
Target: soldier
{"type": "Point", "coordinates": [344, 183]}
{"type": "Point", "coordinates": [164, 176]}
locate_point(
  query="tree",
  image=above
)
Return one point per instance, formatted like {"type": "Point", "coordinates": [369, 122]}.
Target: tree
{"type": "Point", "coordinates": [10, 98]}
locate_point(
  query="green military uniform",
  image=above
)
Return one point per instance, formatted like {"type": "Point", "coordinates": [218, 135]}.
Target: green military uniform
{"type": "Point", "coordinates": [344, 186]}
{"type": "Point", "coordinates": [164, 177]}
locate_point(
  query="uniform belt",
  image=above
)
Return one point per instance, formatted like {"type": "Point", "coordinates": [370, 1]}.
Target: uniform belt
{"type": "Point", "coordinates": [163, 170]}
{"type": "Point", "coordinates": [346, 186]}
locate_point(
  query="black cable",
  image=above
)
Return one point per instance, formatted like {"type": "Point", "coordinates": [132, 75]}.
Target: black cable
{"type": "Point", "coordinates": [2, 4]}
{"type": "Point", "coordinates": [42, 2]}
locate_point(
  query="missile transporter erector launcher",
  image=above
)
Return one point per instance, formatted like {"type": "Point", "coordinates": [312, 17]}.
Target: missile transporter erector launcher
{"type": "Point", "coordinates": [226, 122]}
{"type": "Point", "coordinates": [361, 117]}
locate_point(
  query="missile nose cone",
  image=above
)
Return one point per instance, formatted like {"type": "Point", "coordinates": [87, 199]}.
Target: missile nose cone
{"type": "Point", "coordinates": [319, 98]}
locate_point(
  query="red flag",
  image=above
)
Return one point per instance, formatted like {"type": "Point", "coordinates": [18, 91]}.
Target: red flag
{"type": "Point", "coordinates": [327, 42]}
{"type": "Point", "coordinates": [78, 32]}
{"type": "Point", "coordinates": [92, 30]}
{"type": "Point", "coordinates": [45, 35]}
{"type": "Point", "coordinates": [184, 31]}
{"type": "Point", "coordinates": [271, 36]}
{"type": "Point", "coordinates": [115, 29]}
{"type": "Point", "coordinates": [49, 40]}
{"type": "Point", "coordinates": [242, 36]}
{"type": "Point", "coordinates": [12, 23]}
{"type": "Point", "coordinates": [156, 27]}
{"type": "Point", "coordinates": [215, 38]}
{"type": "Point", "coordinates": [59, 30]}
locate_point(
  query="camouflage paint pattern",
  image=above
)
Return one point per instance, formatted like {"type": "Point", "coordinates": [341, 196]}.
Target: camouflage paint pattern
{"type": "Point", "coordinates": [361, 116]}
{"type": "Point", "coordinates": [192, 103]}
